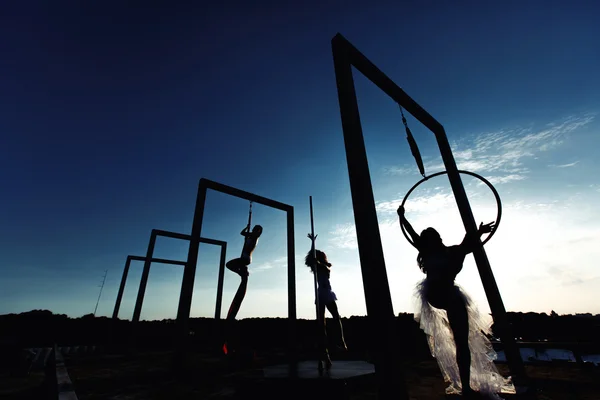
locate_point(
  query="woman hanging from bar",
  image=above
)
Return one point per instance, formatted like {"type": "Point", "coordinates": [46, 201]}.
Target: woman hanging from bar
{"type": "Point", "coordinates": [240, 266]}
{"type": "Point", "coordinates": [454, 328]}
{"type": "Point", "coordinates": [326, 298]}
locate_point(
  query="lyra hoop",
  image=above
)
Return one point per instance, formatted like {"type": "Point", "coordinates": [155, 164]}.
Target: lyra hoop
{"type": "Point", "coordinates": [481, 178]}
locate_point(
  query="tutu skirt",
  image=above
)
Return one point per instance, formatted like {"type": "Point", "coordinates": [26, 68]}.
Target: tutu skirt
{"type": "Point", "coordinates": [434, 322]}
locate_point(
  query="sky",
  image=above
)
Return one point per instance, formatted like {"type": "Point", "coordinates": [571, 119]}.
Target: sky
{"type": "Point", "coordinates": [110, 113]}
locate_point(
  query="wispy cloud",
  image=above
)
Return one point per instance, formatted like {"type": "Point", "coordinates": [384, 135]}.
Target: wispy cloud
{"type": "Point", "coordinates": [503, 153]}
{"type": "Point", "coordinates": [277, 263]}
{"type": "Point", "coordinates": [565, 165]}
{"type": "Point", "coordinates": [498, 180]}
{"type": "Point", "coordinates": [343, 236]}
{"type": "Point", "coordinates": [427, 202]}
{"type": "Point", "coordinates": [567, 276]}
{"type": "Point", "coordinates": [406, 170]}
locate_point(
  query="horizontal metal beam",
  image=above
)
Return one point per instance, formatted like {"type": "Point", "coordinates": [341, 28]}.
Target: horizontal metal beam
{"type": "Point", "coordinates": [174, 235]}
{"type": "Point", "coordinates": [213, 241]}
{"type": "Point", "coordinates": [242, 194]}
{"type": "Point", "coordinates": [183, 236]}
{"type": "Point", "coordinates": [157, 260]}
{"type": "Point", "coordinates": [382, 81]}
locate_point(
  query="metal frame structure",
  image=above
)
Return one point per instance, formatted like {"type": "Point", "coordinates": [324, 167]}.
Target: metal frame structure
{"type": "Point", "coordinates": [375, 281]}
{"type": "Point", "coordinates": [131, 258]}
{"type": "Point", "coordinates": [149, 259]}
{"type": "Point", "coordinates": [185, 299]}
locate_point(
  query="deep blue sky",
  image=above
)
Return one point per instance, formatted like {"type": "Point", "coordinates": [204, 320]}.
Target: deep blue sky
{"type": "Point", "coordinates": [111, 112]}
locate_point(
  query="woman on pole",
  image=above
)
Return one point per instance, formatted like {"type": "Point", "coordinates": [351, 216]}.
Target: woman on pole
{"type": "Point", "coordinates": [317, 261]}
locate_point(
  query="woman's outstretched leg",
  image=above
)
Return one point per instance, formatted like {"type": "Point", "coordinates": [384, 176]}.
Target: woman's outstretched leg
{"type": "Point", "coordinates": [231, 344]}
{"type": "Point", "coordinates": [238, 298]}
{"type": "Point", "coordinates": [459, 323]}
{"type": "Point", "coordinates": [332, 307]}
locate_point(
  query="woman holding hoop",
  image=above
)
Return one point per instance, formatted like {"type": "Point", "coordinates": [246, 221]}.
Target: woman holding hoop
{"type": "Point", "coordinates": [455, 336]}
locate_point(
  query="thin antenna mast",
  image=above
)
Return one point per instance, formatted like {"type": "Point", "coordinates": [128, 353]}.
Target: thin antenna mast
{"type": "Point", "coordinates": [100, 294]}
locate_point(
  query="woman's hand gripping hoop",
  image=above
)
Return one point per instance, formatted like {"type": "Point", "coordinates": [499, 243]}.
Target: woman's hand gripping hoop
{"type": "Point", "coordinates": [481, 178]}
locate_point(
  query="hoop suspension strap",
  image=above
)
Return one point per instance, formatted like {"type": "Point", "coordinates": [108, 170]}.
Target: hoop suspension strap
{"type": "Point", "coordinates": [414, 149]}
{"type": "Point", "coordinates": [250, 217]}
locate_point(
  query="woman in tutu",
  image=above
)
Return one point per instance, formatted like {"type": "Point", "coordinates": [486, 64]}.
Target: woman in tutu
{"type": "Point", "coordinates": [456, 337]}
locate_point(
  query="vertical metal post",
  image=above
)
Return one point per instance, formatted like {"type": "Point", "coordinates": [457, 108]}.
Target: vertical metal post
{"type": "Point", "coordinates": [513, 355]}
{"type": "Point", "coordinates": [314, 255]}
{"type": "Point", "coordinates": [377, 291]}
{"type": "Point", "coordinates": [189, 273]}
{"type": "Point", "coordinates": [220, 282]}
{"type": "Point", "coordinates": [121, 288]}
{"type": "Point", "coordinates": [291, 256]}
{"type": "Point", "coordinates": [144, 281]}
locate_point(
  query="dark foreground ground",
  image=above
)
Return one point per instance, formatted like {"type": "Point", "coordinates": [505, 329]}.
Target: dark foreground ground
{"type": "Point", "coordinates": [148, 376]}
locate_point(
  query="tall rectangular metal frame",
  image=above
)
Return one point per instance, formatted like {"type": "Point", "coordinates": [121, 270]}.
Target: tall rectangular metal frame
{"type": "Point", "coordinates": [375, 282]}
{"type": "Point", "coordinates": [185, 299]}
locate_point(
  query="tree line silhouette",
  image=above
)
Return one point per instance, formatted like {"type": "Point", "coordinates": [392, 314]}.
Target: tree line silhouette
{"type": "Point", "coordinates": [41, 328]}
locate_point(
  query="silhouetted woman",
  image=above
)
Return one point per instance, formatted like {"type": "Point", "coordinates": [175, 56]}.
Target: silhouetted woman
{"type": "Point", "coordinates": [327, 298]}
{"type": "Point", "coordinates": [240, 266]}
{"type": "Point", "coordinates": [455, 336]}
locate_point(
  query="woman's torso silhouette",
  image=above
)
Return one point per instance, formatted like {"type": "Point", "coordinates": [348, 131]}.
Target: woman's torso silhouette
{"type": "Point", "coordinates": [441, 267]}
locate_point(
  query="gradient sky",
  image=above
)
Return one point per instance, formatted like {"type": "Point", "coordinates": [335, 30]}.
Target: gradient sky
{"type": "Point", "coordinates": [111, 113]}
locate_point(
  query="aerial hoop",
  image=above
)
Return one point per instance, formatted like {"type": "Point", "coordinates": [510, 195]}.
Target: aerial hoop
{"type": "Point", "coordinates": [481, 178]}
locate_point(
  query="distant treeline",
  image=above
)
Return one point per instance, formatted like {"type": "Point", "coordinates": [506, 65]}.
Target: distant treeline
{"type": "Point", "coordinates": [39, 328]}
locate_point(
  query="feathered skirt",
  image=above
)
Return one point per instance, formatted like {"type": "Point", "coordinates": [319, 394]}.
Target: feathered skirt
{"type": "Point", "coordinates": [434, 322]}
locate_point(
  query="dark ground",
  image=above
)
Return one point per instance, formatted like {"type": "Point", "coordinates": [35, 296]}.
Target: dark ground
{"type": "Point", "coordinates": [148, 376]}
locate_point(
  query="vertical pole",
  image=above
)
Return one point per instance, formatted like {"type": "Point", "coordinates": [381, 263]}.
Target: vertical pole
{"type": "Point", "coordinates": [220, 282]}
{"type": "Point", "coordinates": [189, 274]}
{"type": "Point", "coordinates": [377, 291]}
{"type": "Point", "coordinates": [121, 288]}
{"type": "Point", "coordinates": [314, 256]}
{"type": "Point", "coordinates": [144, 281]}
{"type": "Point", "coordinates": [291, 255]}
{"type": "Point", "coordinates": [513, 355]}
{"type": "Point", "coordinates": [321, 333]}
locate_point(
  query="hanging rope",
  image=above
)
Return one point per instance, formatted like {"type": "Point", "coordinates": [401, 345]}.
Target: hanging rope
{"type": "Point", "coordinates": [414, 149]}
{"type": "Point", "coordinates": [250, 217]}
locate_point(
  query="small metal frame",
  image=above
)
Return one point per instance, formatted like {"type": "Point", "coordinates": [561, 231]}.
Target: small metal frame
{"type": "Point", "coordinates": [149, 259]}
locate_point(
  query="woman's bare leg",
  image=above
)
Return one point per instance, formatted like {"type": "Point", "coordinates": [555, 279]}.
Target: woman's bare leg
{"type": "Point", "coordinates": [233, 311]}
{"type": "Point", "coordinates": [237, 265]}
{"type": "Point", "coordinates": [332, 307]}
{"type": "Point", "coordinates": [323, 350]}
{"type": "Point", "coordinates": [459, 323]}
{"type": "Point", "coordinates": [238, 298]}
